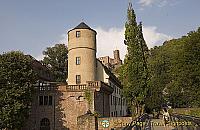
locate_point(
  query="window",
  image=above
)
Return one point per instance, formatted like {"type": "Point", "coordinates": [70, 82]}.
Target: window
{"type": "Point", "coordinates": [78, 34]}
{"type": "Point", "coordinates": [50, 100]}
{"type": "Point", "coordinates": [78, 79]}
{"type": "Point", "coordinates": [78, 60]}
{"type": "Point", "coordinates": [45, 100]}
{"type": "Point", "coordinates": [40, 100]}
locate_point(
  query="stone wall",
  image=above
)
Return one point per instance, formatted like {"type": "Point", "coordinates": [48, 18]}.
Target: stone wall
{"type": "Point", "coordinates": [62, 114]}
{"type": "Point", "coordinates": [90, 122]}
{"type": "Point", "coordinates": [67, 105]}
{"type": "Point", "coordinates": [101, 104]}
{"type": "Point", "coordinates": [87, 122]}
{"type": "Point", "coordinates": [72, 105]}
{"type": "Point", "coordinates": [38, 112]}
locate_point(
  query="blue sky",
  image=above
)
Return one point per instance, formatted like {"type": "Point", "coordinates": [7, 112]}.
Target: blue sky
{"type": "Point", "coordinates": [33, 25]}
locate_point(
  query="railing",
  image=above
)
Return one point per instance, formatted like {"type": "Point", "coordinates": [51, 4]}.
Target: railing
{"type": "Point", "coordinates": [76, 87]}
{"type": "Point", "coordinates": [80, 87]}
{"type": "Point", "coordinates": [45, 88]}
{"type": "Point", "coordinates": [95, 85]}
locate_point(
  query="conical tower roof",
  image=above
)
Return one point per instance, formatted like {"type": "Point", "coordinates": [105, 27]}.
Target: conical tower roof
{"type": "Point", "coordinates": [82, 25]}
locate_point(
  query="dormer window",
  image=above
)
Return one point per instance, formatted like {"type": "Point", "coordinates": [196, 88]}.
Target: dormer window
{"type": "Point", "coordinates": [78, 34]}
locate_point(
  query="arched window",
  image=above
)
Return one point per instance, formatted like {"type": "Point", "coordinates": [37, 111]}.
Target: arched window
{"type": "Point", "coordinates": [45, 124]}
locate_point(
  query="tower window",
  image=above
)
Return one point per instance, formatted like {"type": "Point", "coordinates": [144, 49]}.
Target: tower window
{"type": "Point", "coordinates": [78, 34]}
{"type": "Point", "coordinates": [78, 79]}
{"type": "Point", "coordinates": [78, 60]}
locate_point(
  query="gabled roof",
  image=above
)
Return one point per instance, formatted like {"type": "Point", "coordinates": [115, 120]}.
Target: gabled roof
{"type": "Point", "coordinates": [82, 25]}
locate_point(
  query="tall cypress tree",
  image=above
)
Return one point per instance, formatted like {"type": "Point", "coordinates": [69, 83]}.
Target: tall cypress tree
{"type": "Point", "coordinates": [134, 73]}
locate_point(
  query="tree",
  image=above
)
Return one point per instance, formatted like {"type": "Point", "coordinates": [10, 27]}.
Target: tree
{"type": "Point", "coordinates": [158, 67]}
{"type": "Point", "coordinates": [56, 59]}
{"type": "Point", "coordinates": [134, 72]}
{"type": "Point", "coordinates": [16, 79]}
{"type": "Point", "coordinates": [175, 71]}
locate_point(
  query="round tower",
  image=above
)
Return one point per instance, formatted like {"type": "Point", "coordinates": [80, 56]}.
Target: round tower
{"type": "Point", "coordinates": [81, 54]}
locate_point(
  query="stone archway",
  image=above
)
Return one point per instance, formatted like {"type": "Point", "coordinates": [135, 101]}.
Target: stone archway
{"type": "Point", "coordinates": [45, 124]}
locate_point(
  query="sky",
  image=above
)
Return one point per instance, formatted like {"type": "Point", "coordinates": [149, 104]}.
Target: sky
{"type": "Point", "coordinates": [32, 25]}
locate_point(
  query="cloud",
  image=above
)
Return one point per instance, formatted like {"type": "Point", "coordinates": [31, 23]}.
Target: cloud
{"type": "Point", "coordinates": [63, 40]}
{"type": "Point", "coordinates": [146, 2]}
{"type": "Point", "coordinates": [39, 57]}
{"type": "Point", "coordinates": [110, 39]}
{"type": "Point", "coordinates": [159, 3]}
{"type": "Point", "coordinates": [153, 37]}
{"type": "Point", "coordinates": [113, 38]}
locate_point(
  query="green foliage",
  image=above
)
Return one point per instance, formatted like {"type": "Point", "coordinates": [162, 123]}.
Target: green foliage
{"type": "Point", "coordinates": [175, 70]}
{"type": "Point", "coordinates": [166, 74]}
{"type": "Point", "coordinates": [97, 114]}
{"type": "Point", "coordinates": [187, 111]}
{"type": "Point", "coordinates": [16, 77]}
{"type": "Point", "coordinates": [88, 97]}
{"type": "Point", "coordinates": [56, 59]}
{"type": "Point", "coordinates": [134, 72]}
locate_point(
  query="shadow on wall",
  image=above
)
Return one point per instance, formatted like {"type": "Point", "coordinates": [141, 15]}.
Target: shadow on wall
{"type": "Point", "coordinates": [60, 122]}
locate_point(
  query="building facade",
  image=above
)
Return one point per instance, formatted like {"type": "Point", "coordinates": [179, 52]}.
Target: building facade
{"type": "Point", "coordinates": [91, 87]}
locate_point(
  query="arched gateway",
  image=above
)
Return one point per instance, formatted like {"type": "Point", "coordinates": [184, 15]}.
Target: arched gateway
{"type": "Point", "coordinates": [45, 124]}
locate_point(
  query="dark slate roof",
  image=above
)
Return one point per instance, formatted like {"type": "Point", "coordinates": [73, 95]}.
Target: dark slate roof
{"type": "Point", "coordinates": [82, 25]}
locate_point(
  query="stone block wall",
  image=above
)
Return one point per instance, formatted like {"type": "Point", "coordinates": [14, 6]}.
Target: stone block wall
{"type": "Point", "coordinates": [87, 122]}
